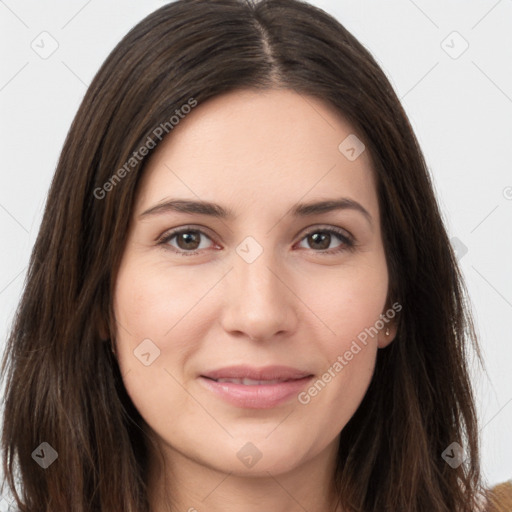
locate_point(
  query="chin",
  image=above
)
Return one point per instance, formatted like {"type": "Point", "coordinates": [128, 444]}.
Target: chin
{"type": "Point", "coordinates": [258, 456]}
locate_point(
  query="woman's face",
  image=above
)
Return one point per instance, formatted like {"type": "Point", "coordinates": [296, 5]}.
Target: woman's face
{"type": "Point", "coordinates": [274, 291]}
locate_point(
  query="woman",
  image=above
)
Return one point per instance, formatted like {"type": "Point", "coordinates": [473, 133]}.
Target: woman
{"type": "Point", "coordinates": [183, 343]}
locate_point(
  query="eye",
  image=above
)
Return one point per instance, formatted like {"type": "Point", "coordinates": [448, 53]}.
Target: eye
{"type": "Point", "coordinates": [188, 241]}
{"type": "Point", "coordinates": [321, 239]}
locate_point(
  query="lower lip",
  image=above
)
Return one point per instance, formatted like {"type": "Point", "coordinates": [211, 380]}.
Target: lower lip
{"type": "Point", "coordinates": [263, 396]}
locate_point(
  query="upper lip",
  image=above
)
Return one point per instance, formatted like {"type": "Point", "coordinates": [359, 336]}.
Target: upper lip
{"type": "Point", "coordinates": [264, 373]}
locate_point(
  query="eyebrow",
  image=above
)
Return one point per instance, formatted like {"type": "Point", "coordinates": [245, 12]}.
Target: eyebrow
{"type": "Point", "coordinates": [217, 211]}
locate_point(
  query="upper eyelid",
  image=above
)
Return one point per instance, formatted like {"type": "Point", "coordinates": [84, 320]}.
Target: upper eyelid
{"type": "Point", "coordinates": [185, 229]}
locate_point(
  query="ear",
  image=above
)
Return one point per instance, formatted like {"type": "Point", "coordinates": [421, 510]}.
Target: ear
{"type": "Point", "coordinates": [389, 318]}
{"type": "Point", "coordinates": [383, 339]}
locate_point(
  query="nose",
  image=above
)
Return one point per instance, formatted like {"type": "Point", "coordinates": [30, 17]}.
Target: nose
{"type": "Point", "coordinates": [258, 300]}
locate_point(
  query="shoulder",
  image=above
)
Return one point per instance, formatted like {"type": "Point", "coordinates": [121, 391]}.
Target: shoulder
{"type": "Point", "coordinates": [499, 498]}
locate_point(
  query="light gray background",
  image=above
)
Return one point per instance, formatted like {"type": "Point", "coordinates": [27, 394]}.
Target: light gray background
{"type": "Point", "coordinates": [460, 107]}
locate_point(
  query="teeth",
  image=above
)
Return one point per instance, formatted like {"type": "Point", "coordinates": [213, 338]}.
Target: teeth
{"type": "Point", "coordinates": [249, 382]}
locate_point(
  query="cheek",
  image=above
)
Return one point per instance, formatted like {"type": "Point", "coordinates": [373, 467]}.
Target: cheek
{"type": "Point", "coordinates": [152, 302]}
{"type": "Point", "coordinates": [349, 300]}
{"type": "Point", "coordinates": [349, 303]}
{"type": "Point", "coordinates": [155, 304]}
{"type": "Point", "coordinates": [145, 310]}
{"type": "Point", "coordinates": [151, 348]}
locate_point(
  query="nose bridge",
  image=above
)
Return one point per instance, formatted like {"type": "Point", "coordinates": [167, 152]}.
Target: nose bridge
{"type": "Point", "coordinates": [257, 301]}
{"type": "Point", "coordinates": [257, 278]}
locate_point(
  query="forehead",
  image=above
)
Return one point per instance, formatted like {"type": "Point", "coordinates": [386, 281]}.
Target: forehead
{"type": "Point", "coordinates": [265, 148]}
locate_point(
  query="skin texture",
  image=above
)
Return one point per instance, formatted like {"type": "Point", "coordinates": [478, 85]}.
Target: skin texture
{"type": "Point", "coordinates": [258, 154]}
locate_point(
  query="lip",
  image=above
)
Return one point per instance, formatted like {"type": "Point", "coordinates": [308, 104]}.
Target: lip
{"type": "Point", "coordinates": [290, 381]}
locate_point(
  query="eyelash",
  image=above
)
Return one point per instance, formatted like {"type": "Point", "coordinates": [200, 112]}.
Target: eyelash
{"type": "Point", "coordinates": [348, 242]}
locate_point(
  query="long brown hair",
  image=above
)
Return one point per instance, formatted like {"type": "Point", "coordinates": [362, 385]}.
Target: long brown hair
{"type": "Point", "coordinates": [63, 385]}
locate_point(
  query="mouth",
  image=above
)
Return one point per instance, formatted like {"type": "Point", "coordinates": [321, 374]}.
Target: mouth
{"type": "Point", "coordinates": [251, 382]}
{"type": "Point", "coordinates": [256, 388]}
